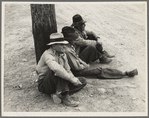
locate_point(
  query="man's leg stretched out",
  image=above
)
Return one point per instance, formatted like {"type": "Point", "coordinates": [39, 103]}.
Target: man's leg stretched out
{"type": "Point", "coordinates": [104, 73]}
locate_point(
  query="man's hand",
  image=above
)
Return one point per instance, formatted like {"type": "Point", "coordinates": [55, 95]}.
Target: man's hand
{"type": "Point", "coordinates": [76, 81]}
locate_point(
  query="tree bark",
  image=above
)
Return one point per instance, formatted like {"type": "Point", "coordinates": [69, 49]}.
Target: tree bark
{"type": "Point", "coordinates": [43, 24]}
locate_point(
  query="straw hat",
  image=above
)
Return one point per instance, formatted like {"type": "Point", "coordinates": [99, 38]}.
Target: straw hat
{"type": "Point", "coordinates": [57, 38]}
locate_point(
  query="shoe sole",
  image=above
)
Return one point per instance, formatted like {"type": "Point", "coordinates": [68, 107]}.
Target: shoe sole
{"type": "Point", "coordinates": [56, 99]}
{"type": "Point", "coordinates": [71, 105]}
{"type": "Point", "coordinates": [111, 57]}
{"type": "Point", "coordinates": [136, 71]}
{"type": "Point", "coordinates": [106, 62]}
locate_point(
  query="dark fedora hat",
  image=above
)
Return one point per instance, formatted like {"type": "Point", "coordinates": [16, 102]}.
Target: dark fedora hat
{"type": "Point", "coordinates": [69, 33]}
{"type": "Point", "coordinates": [77, 20]}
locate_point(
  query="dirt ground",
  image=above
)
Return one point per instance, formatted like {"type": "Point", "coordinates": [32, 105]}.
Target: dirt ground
{"type": "Point", "coordinates": [122, 28]}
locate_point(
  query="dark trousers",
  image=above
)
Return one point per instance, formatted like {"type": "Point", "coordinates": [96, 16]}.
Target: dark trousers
{"type": "Point", "coordinates": [95, 69]}
{"type": "Point", "coordinates": [101, 73]}
{"type": "Point", "coordinates": [51, 84]}
{"type": "Point", "coordinates": [90, 54]}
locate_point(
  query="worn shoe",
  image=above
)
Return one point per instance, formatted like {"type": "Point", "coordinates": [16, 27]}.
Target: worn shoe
{"type": "Point", "coordinates": [69, 102]}
{"type": "Point", "coordinates": [104, 59]}
{"type": "Point", "coordinates": [56, 98]}
{"type": "Point", "coordinates": [107, 55]}
{"type": "Point", "coordinates": [132, 73]}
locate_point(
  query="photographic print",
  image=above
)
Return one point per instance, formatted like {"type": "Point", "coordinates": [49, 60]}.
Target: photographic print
{"type": "Point", "coordinates": [74, 59]}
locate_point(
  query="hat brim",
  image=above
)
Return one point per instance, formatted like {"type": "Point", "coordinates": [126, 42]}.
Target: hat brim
{"type": "Point", "coordinates": [78, 23]}
{"type": "Point", "coordinates": [60, 42]}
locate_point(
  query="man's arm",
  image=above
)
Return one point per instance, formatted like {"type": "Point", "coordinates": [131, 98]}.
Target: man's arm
{"type": "Point", "coordinates": [84, 63]}
{"type": "Point", "coordinates": [59, 70]}
{"type": "Point", "coordinates": [82, 42]}
{"type": "Point", "coordinates": [93, 36]}
{"type": "Point", "coordinates": [74, 61]}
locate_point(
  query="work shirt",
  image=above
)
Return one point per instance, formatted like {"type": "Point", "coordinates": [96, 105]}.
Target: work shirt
{"type": "Point", "coordinates": [83, 40]}
{"type": "Point", "coordinates": [74, 61]}
{"type": "Point", "coordinates": [54, 61]}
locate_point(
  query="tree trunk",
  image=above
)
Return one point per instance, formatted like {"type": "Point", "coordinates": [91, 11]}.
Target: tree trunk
{"type": "Point", "coordinates": [43, 24]}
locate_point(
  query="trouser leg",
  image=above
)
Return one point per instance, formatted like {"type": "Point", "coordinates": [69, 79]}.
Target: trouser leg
{"type": "Point", "coordinates": [90, 54]}
{"type": "Point", "coordinates": [46, 84]}
{"type": "Point", "coordinates": [51, 84]}
{"type": "Point", "coordinates": [92, 36]}
{"type": "Point", "coordinates": [99, 47]}
{"type": "Point", "coordinates": [107, 73]}
{"type": "Point", "coordinates": [93, 70]}
{"type": "Point", "coordinates": [101, 73]}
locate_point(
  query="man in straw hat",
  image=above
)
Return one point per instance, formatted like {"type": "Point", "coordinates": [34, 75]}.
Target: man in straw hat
{"type": "Point", "coordinates": [55, 77]}
{"type": "Point", "coordinates": [88, 38]}
{"type": "Point", "coordinates": [82, 68]}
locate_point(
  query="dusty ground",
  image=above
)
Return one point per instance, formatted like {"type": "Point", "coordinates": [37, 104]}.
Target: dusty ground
{"type": "Point", "coordinates": [121, 27]}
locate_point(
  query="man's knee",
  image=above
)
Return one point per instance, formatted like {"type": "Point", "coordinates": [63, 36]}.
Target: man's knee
{"type": "Point", "coordinates": [92, 36]}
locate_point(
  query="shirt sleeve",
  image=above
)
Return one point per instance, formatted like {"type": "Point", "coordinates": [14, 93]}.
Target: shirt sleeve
{"type": "Point", "coordinates": [74, 62]}
{"type": "Point", "coordinates": [82, 42]}
{"type": "Point", "coordinates": [56, 67]}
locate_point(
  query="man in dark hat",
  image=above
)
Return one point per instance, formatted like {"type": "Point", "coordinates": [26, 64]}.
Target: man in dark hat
{"type": "Point", "coordinates": [81, 68]}
{"type": "Point", "coordinates": [89, 38]}
{"type": "Point", "coordinates": [55, 77]}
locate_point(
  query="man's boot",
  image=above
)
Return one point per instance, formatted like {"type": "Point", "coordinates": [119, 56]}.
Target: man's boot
{"type": "Point", "coordinates": [132, 73]}
{"type": "Point", "coordinates": [104, 59]}
{"type": "Point", "coordinates": [56, 98]}
{"type": "Point", "coordinates": [107, 55]}
{"type": "Point", "coordinates": [67, 100]}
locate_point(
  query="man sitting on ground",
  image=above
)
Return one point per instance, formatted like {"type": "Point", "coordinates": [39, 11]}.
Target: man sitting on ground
{"type": "Point", "coordinates": [55, 77]}
{"type": "Point", "coordinates": [82, 68]}
{"type": "Point", "coordinates": [88, 40]}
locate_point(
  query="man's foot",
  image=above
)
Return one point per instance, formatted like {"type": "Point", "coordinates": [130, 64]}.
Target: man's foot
{"type": "Point", "coordinates": [107, 55]}
{"type": "Point", "coordinates": [132, 73]}
{"type": "Point", "coordinates": [69, 102]}
{"type": "Point", "coordinates": [56, 98]}
{"type": "Point", "coordinates": [104, 59]}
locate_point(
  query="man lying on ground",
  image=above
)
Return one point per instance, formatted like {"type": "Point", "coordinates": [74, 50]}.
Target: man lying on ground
{"type": "Point", "coordinates": [55, 77]}
{"type": "Point", "coordinates": [80, 67]}
{"type": "Point", "coordinates": [88, 40]}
